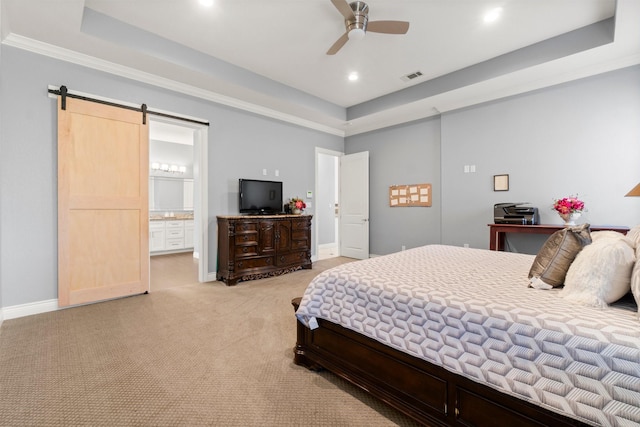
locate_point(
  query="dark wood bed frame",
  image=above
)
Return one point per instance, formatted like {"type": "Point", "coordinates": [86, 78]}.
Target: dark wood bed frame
{"type": "Point", "coordinates": [425, 392]}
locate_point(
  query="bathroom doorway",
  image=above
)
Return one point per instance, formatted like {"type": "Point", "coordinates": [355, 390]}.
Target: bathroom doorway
{"type": "Point", "coordinates": [178, 235]}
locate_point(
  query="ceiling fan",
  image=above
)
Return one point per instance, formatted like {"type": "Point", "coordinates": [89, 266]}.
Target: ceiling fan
{"type": "Point", "coordinates": [356, 21]}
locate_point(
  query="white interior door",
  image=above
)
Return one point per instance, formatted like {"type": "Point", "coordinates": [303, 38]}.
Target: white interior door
{"type": "Point", "coordinates": [354, 205]}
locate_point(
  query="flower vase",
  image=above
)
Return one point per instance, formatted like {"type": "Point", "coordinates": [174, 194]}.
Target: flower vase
{"type": "Point", "coordinates": [570, 218]}
{"type": "Point", "coordinates": [296, 211]}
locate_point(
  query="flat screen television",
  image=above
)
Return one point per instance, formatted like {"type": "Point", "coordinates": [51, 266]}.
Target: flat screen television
{"type": "Point", "coordinates": [260, 197]}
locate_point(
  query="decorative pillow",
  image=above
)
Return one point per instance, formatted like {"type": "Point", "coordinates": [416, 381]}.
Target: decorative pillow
{"type": "Point", "coordinates": [601, 272]}
{"type": "Point", "coordinates": [634, 235]}
{"type": "Point", "coordinates": [610, 234]}
{"type": "Point", "coordinates": [635, 279]}
{"type": "Point", "coordinates": [550, 266]}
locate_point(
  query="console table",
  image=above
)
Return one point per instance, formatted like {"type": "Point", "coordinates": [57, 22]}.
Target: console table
{"type": "Point", "coordinates": [497, 231]}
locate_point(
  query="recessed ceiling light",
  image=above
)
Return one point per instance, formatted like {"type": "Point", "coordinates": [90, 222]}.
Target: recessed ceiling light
{"type": "Point", "coordinates": [353, 76]}
{"type": "Point", "coordinates": [493, 15]}
{"type": "Point", "coordinates": [206, 3]}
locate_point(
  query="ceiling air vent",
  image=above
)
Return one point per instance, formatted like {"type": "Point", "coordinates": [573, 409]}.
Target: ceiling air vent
{"type": "Point", "coordinates": [411, 76]}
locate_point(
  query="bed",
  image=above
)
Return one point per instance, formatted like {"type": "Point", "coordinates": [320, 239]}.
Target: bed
{"type": "Point", "coordinates": [455, 336]}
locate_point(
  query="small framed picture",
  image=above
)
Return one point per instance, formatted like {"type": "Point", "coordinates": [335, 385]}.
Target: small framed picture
{"type": "Point", "coordinates": [501, 182]}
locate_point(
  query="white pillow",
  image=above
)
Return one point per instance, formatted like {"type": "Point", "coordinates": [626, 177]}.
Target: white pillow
{"type": "Point", "coordinates": [601, 272]}
{"type": "Point", "coordinates": [610, 234]}
{"type": "Point", "coordinates": [635, 279]}
{"type": "Point", "coordinates": [634, 235]}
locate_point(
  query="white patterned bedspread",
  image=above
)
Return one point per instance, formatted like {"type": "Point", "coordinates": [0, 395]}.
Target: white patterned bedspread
{"type": "Point", "coordinates": [472, 312]}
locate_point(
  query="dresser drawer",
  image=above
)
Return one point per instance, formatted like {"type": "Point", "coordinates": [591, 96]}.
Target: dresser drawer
{"type": "Point", "coordinates": [174, 224]}
{"type": "Point", "coordinates": [300, 225]}
{"type": "Point", "coordinates": [171, 244]}
{"type": "Point", "coordinates": [156, 225]}
{"type": "Point", "coordinates": [291, 258]}
{"type": "Point", "coordinates": [300, 244]}
{"type": "Point", "coordinates": [246, 226]}
{"type": "Point", "coordinates": [246, 250]}
{"type": "Point", "coordinates": [172, 233]}
{"type": "Point", "coordinates": [252, 263]}
{"type": "Point", "coordinates": [299, 234]}
{"type": "Point", "coordinates": [246, 238]}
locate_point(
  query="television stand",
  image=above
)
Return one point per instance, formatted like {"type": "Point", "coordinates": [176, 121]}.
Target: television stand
{"type": "Point", "coordinates": [257, 246]}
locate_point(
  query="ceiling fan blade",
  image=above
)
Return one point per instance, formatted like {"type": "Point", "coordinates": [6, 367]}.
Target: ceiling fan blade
{"type": "Point", "coordinates": [344, 8]}
{"type": "Point", "coordinates": [388, 27]}
{"type": "Point", "coordinates": [338, 44]}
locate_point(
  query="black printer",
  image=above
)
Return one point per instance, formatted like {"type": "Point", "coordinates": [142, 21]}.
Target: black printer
{"type": "Point", "coordinates": [515, 213]}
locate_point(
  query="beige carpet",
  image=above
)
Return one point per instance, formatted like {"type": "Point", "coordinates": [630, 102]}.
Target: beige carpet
{"type": "Point", "coordinates": [199, 354]}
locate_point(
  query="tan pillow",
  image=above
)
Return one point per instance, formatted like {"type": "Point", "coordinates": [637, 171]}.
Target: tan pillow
{"type": "Point", "coordinates": [550, 266]}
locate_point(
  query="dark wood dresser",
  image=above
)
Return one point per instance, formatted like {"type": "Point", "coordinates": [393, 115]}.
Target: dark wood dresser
{"type": "Point", "coordinates": [253, 247]}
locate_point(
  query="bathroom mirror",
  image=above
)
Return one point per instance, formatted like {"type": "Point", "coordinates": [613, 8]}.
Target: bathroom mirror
{"type": "Point", "coordinates": [170, 194]}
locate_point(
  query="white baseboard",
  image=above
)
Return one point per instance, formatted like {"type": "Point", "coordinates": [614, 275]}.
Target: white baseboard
{"type": "Point", "coordinates": [29, 309]}
{"type": "Point", "coordinates": [327, 245]}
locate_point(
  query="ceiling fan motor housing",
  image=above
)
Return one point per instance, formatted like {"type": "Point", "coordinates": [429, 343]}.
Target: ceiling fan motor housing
{"type": "Point", "coordinates": [357, 27]}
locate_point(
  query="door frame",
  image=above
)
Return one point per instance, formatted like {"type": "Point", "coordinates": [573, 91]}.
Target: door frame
{"type": "Point", "coordinates": [316, 231]}
{"type": "Point", "coordinates": [201, 183]}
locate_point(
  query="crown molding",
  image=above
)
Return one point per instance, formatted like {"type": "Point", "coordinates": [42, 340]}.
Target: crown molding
{"type": "Point", "coordinates": [67, 55]}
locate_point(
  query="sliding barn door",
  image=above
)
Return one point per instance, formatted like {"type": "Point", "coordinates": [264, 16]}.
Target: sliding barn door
{"type": "Point", "coordinates": [103, 210]}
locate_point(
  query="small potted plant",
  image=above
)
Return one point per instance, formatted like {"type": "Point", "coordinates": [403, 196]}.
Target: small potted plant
{"type": "Point", "coordinates": [569, 208]}
{"type": "Point", "coordinates": [297, 205]}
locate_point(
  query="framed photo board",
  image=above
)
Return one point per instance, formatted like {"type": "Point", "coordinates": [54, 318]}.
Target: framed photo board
{"type": "Point", "coordinates": [410, 195]}
{"type": "Point", "coordinates": [501, 182]}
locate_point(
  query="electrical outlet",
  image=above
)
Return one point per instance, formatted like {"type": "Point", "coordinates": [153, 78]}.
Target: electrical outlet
{"type": "Point", "coordinates": [404, 248]}
{"type": "Point", "coordinates": [466, 245]}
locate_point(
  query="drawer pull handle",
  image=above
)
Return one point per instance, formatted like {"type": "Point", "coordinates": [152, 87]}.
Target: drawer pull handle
{"type": "Point", "coordinates": [246, 238]}
{"type": "Point", "coordinates": [240, 265]}
{"type": "Point", "coordinates": [245, 250]}
{"type": "Point", "coordinates": [268, 261]}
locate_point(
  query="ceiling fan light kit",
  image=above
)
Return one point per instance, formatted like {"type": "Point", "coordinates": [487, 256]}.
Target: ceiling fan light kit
{"type": "Point", "coordinates": [356, 21]}
{"type": "Point", "coordinates": [356, 34]}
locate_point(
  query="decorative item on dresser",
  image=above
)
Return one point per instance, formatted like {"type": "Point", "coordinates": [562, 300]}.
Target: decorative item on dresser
{"type": "Point", "coordinates": [569, 208]}
{"type": "Point", "coordinates": [297, 206]}
{"type": "Point", "coordinates": [257, 246]}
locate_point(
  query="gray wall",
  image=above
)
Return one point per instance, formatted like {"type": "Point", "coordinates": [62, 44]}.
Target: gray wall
{"type": "Point", "coordinates": [240, 146]}
{"type": "Point", "coordinates": [406, 154]}
{"type": "Point", "coordinates": [581, 137]}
